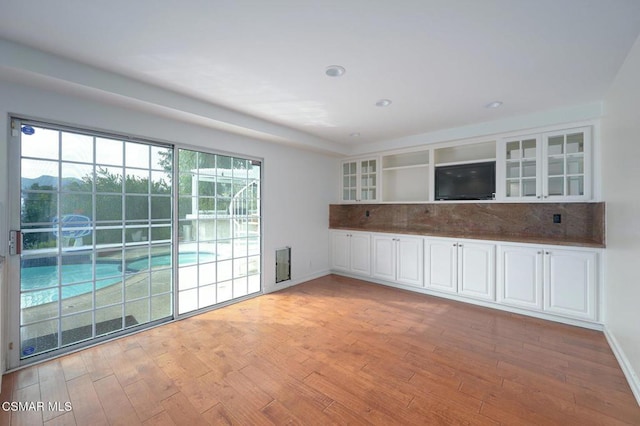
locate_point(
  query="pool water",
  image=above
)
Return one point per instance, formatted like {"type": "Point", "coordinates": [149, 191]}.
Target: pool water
{"type": "Point", "coordinates": [39, 284]}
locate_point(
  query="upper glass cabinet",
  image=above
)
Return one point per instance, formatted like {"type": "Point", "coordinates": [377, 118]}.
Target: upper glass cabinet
{"type": "Point", "coordinates": [360, 180]}
{"type": "Point", "coordinates": [548, 166]}
{"type": "Point", "coordinates": [521, 167]}
{"type": "Point", "coordinates": [565, 165]}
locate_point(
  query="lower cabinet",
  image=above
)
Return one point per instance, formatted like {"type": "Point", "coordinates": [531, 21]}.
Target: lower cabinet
{"type": "Point", "coordinates": [570, 283]}
{"type": "Point", "coordinates": [461, 267]}
{"type": "Point", "coordinates": [549, 279]}
{"type": "Point", "coordinates": [520, 276]}
{"type": "Point", "coordinates": [398, 258]}
{"type": "Point", "coordinates": [557, 280]}
{"type": "Point", "coordinates": [351, 252]}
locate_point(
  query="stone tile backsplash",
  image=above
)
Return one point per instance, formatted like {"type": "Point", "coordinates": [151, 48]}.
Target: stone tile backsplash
{"type": "Point", "coordinates": [580, 222]}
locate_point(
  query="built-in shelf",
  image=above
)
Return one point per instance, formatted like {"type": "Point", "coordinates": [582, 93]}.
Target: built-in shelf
{"type": "Point", "coordinates": [405, 159]}
{"type": "Point", "coordinates": [461, 154]}
{"type": "Point", "coordinates": [405, 177]}
{"type": "Point", "coordinates": [406, 167]}
{"type": "Point", "coordinates": [456, 163]}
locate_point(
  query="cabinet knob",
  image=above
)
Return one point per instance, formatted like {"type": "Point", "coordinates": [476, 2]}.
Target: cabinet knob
{"type": "Point", "coordinates": [538, 197]}
{"type": "Point", "coordinates": [547, 252]}
{"type": "Point", "coordinates": [545, 196]}
{"type": "Point", "coordinates": [539, 252]}
{"type": "Point", "coordinates": [459, 245]}
{"type": "Point", "coordinates": [455, 245]}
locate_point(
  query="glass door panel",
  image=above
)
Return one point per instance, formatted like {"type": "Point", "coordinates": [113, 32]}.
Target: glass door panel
{"type": "Point", "coordinates": [95, 215]}
{"type": "Point", "coordinates": [368, 184]}
{"type": "Point", "coordinates": [566, 164]}
{"type": "Point", "coordinates": [349, 181]}
{"type": "Point", "coordinates": [521, 168]}
{"type": "Point", "coordinates": [529, 187]}
{"type": "Point", "coordinates": [513, 188]}
{"type": "Point", "coordinates": [529, 169]}
{"type": "Point", "coordinates": [556, 186]}
{"type": "Point", "coordinates": [219, 219]}
{"type": "Point", "coordinates": [575, 185]}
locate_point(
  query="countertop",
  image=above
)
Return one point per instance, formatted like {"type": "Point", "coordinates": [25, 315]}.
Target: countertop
{"type": "Point", "coordinates": [489, 237]}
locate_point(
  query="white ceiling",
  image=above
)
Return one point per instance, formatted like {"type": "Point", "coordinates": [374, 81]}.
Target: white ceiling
{"type": "Point", "coordinates": [439, 61]}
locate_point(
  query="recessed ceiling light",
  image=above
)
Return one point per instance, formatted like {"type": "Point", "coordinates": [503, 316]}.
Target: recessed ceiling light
{"type": "Point", "coordinates": [354, 134]}
{"type": "Point", "coordinates": [383, 103]}
{"type": "Point", "coordinates": [494, 104]}
{"type": "Point", "coordinates": [335, 71]}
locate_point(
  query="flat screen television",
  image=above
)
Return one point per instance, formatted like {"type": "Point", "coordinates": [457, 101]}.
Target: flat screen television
{"type": "Point", "coordinates": [476, 181]}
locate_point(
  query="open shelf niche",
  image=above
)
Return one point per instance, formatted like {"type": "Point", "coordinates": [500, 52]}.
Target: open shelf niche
{"type": "Point", "coordinates": [461, 154]}
{"type": "Point", "coordinates": [405, 177]}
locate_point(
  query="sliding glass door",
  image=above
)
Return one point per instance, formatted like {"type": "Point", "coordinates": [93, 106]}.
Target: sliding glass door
{"type": "Point", "coordinates": [219, 229]}
{"type": "Point", "coordinates": [95, 218]}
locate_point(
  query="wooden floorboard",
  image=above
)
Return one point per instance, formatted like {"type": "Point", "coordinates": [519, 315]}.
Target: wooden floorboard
{"type": "Point", "coordinates": [335, 350]}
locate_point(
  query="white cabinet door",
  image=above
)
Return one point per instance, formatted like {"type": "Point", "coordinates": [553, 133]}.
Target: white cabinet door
{"type": "Point", "coordinates": [351, 252]}
{"type": "Point", "coordinates": [409, 261]}
{"type": "Point", "coordinates": [359, 180]}
{"type": "Point", "coordinates": [520, 276]}
{"type": "Point", "coordinates": [340, 251]}
{"type": "Point", "coordinates": [518, 168]}
{"type": "Point", "coordinates": [360, 253]}
{"type": "Point", "coordinates": [566, 165]}
{"type": "Point", "coordinates": [476, 270]}
{"type": "Point", "coordinates": [349, 188]}
{"type": "Point", "coordinates": [384, 257]}
{"type": "Point", "coordinates": [440, 259]}
{"type": "Point", "coordinates": [548, 166]}
{"type": "Point", "coordinates": [570, 283]}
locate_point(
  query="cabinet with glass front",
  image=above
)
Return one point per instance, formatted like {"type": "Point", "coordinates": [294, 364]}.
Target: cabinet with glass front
{"type": "Point", "coordinates": [549, 166]}
{"type": "Point", "coordinates": [360, 180]}
{"type": "Point", "coordinates": [521, 167]}
{"type": "Point", "coordinates": [566, 164]}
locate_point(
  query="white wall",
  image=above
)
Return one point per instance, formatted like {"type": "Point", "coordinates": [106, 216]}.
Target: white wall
{"type": "Point", "coordinates": [298, 185]}
{"type": "Point", "coordinates": [621, 189]}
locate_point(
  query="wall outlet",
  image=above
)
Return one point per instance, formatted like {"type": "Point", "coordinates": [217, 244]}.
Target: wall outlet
{"type": "Point", "coordinates": [557, 218]}
{"type": "Point", "coordinates": [366, 213]}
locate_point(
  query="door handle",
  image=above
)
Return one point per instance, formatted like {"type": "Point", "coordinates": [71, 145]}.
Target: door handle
{"type": "Point", "coordinates": [15, 242]}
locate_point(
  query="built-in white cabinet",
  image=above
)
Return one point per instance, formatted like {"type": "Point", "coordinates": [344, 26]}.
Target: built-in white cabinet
{"type": "Point", "coordinates": [351, 252]}
{"type": "Point", "coordinates": [542, 166]}
{"type": "Point", "coordinates": [520, 276]}
{"type": "Point", "coordinates": [551, 279]}
{"type": "Point", "coordinates": [566, 165]}
{"type": "Point", "coordinates": [398, 258]}
{"type": "Point", "coordinates": [441, 265]}
{"type": "Point", "coordinates": [460, 266]}
{"type": "Point", "coordinates": [551, 166]}
{"type": "Point", "coordinates": [518, 168]}
{"type": "Point", "coordinates": [570, 283]}
{"type": "Point", "coordinates": [360, 180]}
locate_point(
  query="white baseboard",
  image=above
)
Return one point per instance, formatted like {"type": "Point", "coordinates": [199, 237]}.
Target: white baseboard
{"type": "Point", "coordinates": [630, 374]}
{"type": "Point", "coordinates": [298, 280]}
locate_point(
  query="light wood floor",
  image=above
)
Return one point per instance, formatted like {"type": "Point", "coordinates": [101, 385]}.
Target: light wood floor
{"type": "Point", "coordinates": [336, 351]}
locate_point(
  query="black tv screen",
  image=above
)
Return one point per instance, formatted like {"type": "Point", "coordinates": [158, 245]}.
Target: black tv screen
{"type": "Point", "coordinates": [475, 181]}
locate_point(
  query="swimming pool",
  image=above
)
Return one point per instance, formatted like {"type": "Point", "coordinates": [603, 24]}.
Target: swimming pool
{"type": "Point", "coordinates": [39, 284]}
